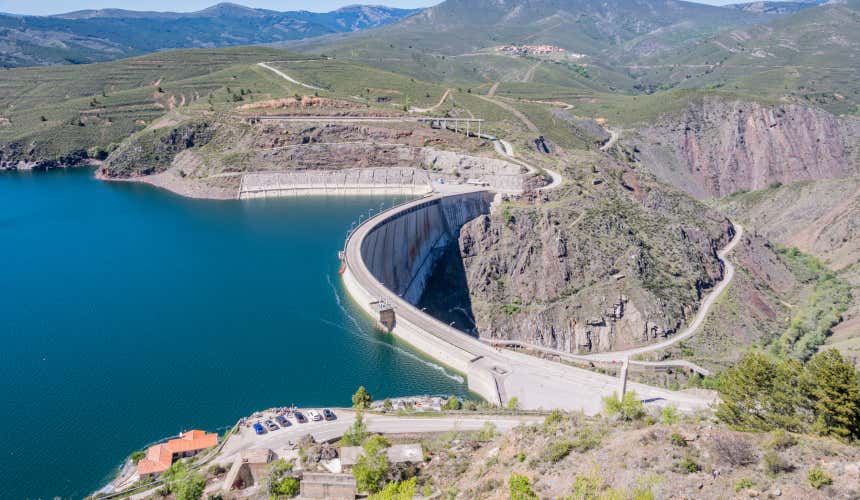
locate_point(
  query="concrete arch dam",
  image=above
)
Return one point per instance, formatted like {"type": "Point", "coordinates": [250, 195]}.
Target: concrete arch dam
{"type": "Point", "coordinates": [388, 260]}
{"type": "Point", "coordinates": [402, 249]}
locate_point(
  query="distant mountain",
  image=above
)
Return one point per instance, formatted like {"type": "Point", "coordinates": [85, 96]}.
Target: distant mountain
{"type": "Point", "coordinates": [606, 29]}
{"type": "Point", "coordinates": [99, 35]}
{"type": "Point", "coordinates": [775, 7]}
{"type": "Point", "coordinates": [811, 57]}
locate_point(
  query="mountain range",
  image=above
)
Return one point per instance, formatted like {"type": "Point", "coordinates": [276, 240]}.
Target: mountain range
{"type": "Point", "coordinates": [100, 35]}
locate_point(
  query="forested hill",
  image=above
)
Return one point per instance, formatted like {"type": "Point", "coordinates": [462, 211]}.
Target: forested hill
{"type": "Point", "coordinates": [101, 35]}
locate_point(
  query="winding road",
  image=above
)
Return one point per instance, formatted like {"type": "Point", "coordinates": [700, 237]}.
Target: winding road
{"type": "Point", "coordinates": [287, 77]}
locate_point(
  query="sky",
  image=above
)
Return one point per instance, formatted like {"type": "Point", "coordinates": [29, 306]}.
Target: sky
{"type": "Point", "coordinates": [45, 7]}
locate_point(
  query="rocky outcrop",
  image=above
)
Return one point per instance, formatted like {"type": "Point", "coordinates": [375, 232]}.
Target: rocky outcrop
{"type": "Point", "coordinates": [152, 152]}
{"type": "Point", "coordinates": [607, 270]}
{"type": "Point", "coordinates": [716, 146]}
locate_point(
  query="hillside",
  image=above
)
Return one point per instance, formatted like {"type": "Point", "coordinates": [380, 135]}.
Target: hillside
{"type": "Point", "coordinates": [810, 58]}
{"type": "Point", "coordinates": [617, 30]}
{"type": "Point", "coordinates": [101, 35]}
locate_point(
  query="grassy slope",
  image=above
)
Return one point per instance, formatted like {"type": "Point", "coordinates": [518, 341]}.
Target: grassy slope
{"type": "Point", "coordinates": [812, 57]}
{"type": "Point", "coordinates": [100, 104]}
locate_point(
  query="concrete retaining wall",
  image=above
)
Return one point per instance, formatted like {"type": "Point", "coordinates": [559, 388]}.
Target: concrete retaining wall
{"type": "Point", "coordinates": [353, 181]}
{"type": "Point", "coordinates": [402, 250]}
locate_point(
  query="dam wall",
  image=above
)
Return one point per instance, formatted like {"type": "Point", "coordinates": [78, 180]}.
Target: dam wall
{"type": "Point", "coordinates": [352, 181]}
{"type": "Point", "coordinates": [402, 249]}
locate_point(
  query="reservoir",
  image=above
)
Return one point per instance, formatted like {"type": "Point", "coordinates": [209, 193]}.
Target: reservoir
{"type": "Point", "coordinates": [129, 314]}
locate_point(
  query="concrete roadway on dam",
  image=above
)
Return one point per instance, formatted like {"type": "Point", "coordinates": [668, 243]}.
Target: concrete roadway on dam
{"type": "Point", "coordinates": [535, 382]}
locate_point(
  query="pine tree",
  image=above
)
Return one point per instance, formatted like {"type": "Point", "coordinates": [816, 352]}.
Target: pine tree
{"type": "Point", "coordinates": [761, 394]}
{"type": "Point", "coordinates": [832, 389]}
{"type": "Point", "coordinates": [361, 399]}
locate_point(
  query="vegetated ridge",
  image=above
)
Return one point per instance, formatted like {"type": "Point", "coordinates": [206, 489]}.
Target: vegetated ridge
{"type": "Point", "coordinates": [101, 35]}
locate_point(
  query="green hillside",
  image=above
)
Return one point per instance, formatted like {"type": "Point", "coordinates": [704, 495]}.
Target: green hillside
{"type": "Point", "coordinates": [812, 58]}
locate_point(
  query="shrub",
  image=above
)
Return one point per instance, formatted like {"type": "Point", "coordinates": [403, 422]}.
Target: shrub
{"type": "Point", "coordinates": [452, 403]}
{"type": "Point", "coordinates": [372, 466]}
{"type": "Point", "coordinates": [396, 490]}
{"type": "Point", "coordinates": [356, 434]}
{"type": "Point", "coordinates": [744, 483]}
{"type": "Point", "coordinates": [554, 418]}
{"type": "Point", "coordinates": [669, 415]}
{"type": "Point", "coordinates": [557, 450]}
{"type": "Point", "coordinates": [782, 440]}
{"type": "Point", "coordinates": [586, 439]}
{"type": "Point", "coordinates": [520, 457]}
{"type": "Point", "coordinates": [137, 456]}
{"type": "Point", "coordinates": [628, 408]}
{"type": "Point", "coordinates": [189, 487]}
{"type": "Point", "coordinates": [387, 405]}
{"type": "Point", "coordinates": [774, 464]}
{"type": "Point", "coordinates": [513, 404]}
{"type": "Point", "coordinates": [361, 399]}
{"type": "Point", "coordinates": [487, 432]}
{"type": "Point", "coordinates": [677, 439]}
{"type": "Point", "coordinates": [520, 488]}
{"type": "Point", "coordinates": [689, 466]}
{"type": "Point", "coordinates": [818, 478]}
{"type": "Point", "coordinates": [285, 487]}
{"type": "Point", "coordinates": [733, 449]}
{"type": "Point", "coordinates": [587, 486]}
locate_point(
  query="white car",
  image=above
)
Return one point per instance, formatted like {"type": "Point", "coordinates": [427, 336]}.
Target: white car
{"type": "Point", "coordinates": [314, 415]}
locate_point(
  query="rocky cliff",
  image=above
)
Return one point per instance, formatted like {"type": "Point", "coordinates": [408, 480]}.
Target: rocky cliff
{"type": "Point", "coordinates": [718, 146]}
{"type": "Point", "coordinates": [613, 261]}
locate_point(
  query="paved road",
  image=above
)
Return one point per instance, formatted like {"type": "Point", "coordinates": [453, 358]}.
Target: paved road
{"type": "Point", "coordinates": [386, 424]}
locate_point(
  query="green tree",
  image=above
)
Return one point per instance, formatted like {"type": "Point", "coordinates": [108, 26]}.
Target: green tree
{"type": "Point", "coordinates": [452, 403]}
{"type": "Point", "coordinates": [513, 404]}
{"type": "Point", "coordinates": [831, 385]}
{"type": "Point", "coordinates": [521, 488]}
{"type": "Point", "coordinates": [281, 481]}
{"type": "Point", "coordinates": [357, 433]}
{"type": "Point", "coordinates": [361, 399]}
{"type": "Point", "coordinates": [372, 466]}
{"type": "Point", "coordinates": [628, 408]}
{"type": "Point", "coordinates": [396, 490]}
{"type": "Point", "coordinates": [760, 394]}
{"type": "Point", "coordinates": [137, 456]}
{"type": "Point", "coordinates": [183, 482]}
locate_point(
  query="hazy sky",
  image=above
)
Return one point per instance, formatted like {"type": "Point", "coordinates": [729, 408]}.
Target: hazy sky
{"type": "Point", "coordinates": [42, 7]}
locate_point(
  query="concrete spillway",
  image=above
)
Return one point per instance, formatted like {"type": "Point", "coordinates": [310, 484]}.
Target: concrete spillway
{"type": "Point", "coordinates": [402, 248]}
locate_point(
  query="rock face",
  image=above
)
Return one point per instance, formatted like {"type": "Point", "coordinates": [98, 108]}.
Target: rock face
{"type": "Point", "coordinates": [609, 268]}
{"type": "Point", "coordinates": [716, 147]}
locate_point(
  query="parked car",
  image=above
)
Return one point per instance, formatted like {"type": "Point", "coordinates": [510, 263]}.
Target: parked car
{"type": "Point", "coordinates": [271, 425]}
{"type": "Point", "coordinates": [259, 428]}
{"type": "Point", "coordinates": [282, 421]}
{"type": "Point", "coordinates": [314, 415]}
{"type": "Point", "coordinates": [299, 417]}
{"type": "Point", "coordinates": [328, 414]}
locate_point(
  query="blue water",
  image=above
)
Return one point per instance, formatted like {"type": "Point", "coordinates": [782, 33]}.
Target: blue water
{"type": "Point", "coordinates": [128, 314]}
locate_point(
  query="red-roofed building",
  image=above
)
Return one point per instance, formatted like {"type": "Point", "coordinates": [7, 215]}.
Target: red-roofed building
{"type": "Point", "coordinates": [161, 456]}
